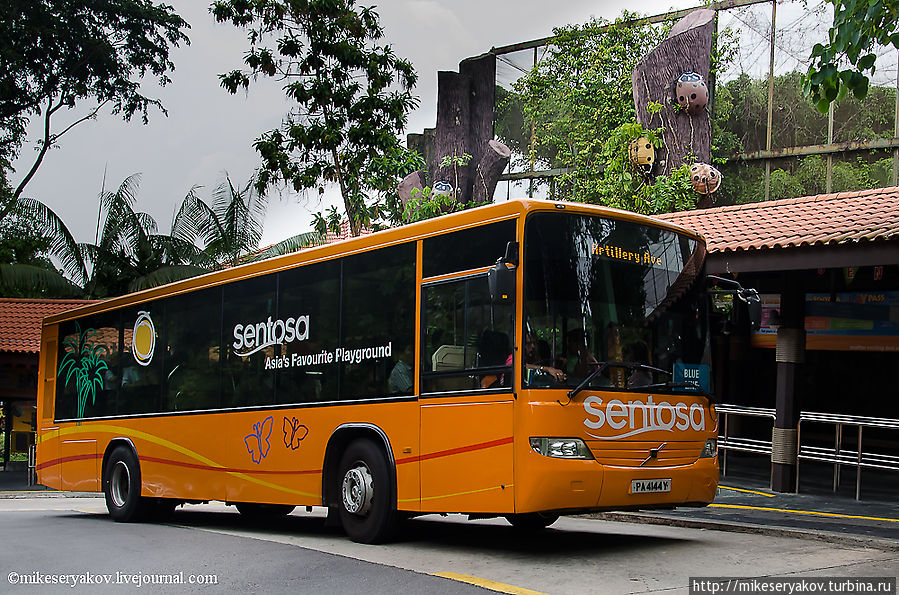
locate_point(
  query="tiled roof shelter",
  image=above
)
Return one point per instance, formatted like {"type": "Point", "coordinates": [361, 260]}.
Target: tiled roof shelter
{"type": "Point", "coordinates": [844, 229]}
{"type": "Point", "coordinates": [20, 321]}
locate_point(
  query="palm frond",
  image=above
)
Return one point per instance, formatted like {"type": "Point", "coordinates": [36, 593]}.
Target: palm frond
{"type": "Point", "coordinates": [290, 245]}
{"type": "Point", "coordinates": [63, 245]}
{"type": "Point", "coordinates": [25, 280]}
{"type": "Point", "coordinates": [164, 275]}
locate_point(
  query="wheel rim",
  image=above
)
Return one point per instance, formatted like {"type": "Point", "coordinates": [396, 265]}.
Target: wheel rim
{"type": "Point", "coordinates": [119, 483]}
{"type": "Point", "coordinates": [358, 492]}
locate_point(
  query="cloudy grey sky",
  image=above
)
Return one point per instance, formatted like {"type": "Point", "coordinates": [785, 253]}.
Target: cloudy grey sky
{"type": "Point", "coordinates": [208, 131]}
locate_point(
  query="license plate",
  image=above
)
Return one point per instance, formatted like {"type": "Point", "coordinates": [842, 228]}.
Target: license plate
{"type": "Point", "coordinates": [650, 486]}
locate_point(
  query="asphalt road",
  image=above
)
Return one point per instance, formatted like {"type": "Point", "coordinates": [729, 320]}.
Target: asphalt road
{"type": "Point", "coordinates": [51, 537]}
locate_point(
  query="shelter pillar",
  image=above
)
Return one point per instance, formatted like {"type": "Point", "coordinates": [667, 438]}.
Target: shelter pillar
{"type": "Point", "coordinates": [790, 355]}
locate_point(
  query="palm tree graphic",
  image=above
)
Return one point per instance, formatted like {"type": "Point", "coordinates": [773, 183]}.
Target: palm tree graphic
{"type": "Point", "coordinates": [83, 361]}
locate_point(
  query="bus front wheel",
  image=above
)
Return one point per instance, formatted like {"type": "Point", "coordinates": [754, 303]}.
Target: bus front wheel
{"type": "Point", "coordinates": [367, 511]}
{"type": "Point", "coordinates": [121, 484]}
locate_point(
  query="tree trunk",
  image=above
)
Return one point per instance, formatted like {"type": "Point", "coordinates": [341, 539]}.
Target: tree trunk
{"type": "Point", "coordinates": [688, 48]}
{"type": "Point", "coordinates": [452, 130]}
{"type": "Point", "coordinates": [481, 72]}
{"type": "Point", "coordinates": [488, 171]}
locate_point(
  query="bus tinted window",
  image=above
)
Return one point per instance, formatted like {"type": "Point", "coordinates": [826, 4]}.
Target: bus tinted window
{"type": "Point", "coordinates": [467, 249]}
{"type": "Point", "coordinates": [250, 327]}
{"type": "Point", "coordinates": [193, 340]}
{"type": "Point", "coordinates": [88, 367]}
{"type": "Point", "coordinates": [142, 359]}
{"type": "Point", "coordinates": [306, 371]}
{"type": "Point", "coordinates": [378, 322]}
{"type": "Point", "coordinates": [464, 333]}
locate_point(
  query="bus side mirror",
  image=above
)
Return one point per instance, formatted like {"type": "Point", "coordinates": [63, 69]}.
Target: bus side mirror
{"type": "Point", "coordinates": [750, 297]}
{"type": "Point", "coordinates": [739, 305]}
{"type": "Point", "coordinates": [501, 276]}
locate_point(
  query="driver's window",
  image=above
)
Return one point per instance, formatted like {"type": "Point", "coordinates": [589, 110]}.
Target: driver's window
{"type": "Point", "coordinates": [467, 342]}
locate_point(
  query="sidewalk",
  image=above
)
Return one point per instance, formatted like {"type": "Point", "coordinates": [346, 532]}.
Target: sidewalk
{"type": "Point", "coordinates": [13, 485]}
{"type": "Point", "coordinates": [744, 506]}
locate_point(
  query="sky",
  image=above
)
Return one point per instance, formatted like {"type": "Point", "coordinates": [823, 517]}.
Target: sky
{"type": "Point", "coordinates": [209, 132]}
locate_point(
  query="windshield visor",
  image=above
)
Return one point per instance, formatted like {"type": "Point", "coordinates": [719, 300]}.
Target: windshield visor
{"type": "Point", "coordinates": [601, 291]}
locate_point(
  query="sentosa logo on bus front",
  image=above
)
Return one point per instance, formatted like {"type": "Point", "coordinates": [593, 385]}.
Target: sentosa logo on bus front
{"type": "Point", "coordinates": [638, 417]}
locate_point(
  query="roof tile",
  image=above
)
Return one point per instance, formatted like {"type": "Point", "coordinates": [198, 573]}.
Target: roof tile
{"type": "Point", "coordinates": [20, 321]}
{"type": "Point", "coordinates": [860, 216]}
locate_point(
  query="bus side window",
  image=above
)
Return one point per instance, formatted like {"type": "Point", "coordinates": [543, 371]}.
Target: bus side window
{"type": "Point", "coordinates": [463, 334]}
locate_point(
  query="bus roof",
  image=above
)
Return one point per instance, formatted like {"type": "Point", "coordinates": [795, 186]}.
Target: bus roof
{"type": "Point", "coordinates": [395, 235]}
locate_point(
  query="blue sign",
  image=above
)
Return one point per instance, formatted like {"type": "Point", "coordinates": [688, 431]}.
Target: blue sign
{"type": "Point", "coordinates": [696, 374]}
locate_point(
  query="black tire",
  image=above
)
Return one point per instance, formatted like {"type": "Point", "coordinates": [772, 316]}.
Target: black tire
{"type": "Point", "coordinates": [121, 484]}
{"type": "Point", "coordinates": [366, 494]}
{"type": "Point", "coordinates": [532, 521]}
{"type": "Point", "coordinates": [259, 512]}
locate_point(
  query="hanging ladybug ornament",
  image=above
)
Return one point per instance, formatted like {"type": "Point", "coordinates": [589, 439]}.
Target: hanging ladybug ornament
{"type": "Point", "coordinates": [692, 92]}
{"type": "Point", "coordinates": [642, 154]}
{"type": "Point", "coordinates": [705, 178]}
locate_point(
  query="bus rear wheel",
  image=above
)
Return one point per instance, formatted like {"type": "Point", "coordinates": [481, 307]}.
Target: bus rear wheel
{"type": "Point", "coordinates": [367, 508]}
{"type": "Point", "coordinates": [532, 521]}
{"type": "Point", "coordinates": [264, 511]}
{"type": "Point", "coordinates": [121, 485]}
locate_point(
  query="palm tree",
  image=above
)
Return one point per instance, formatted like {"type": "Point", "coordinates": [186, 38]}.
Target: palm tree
{"type": "Point", "coordinates": [129, 254]}
{"type": "Point", "coordinates": [231, 228]}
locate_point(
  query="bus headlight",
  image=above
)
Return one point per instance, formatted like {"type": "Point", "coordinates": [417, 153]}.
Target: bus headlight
{"type": "Point", "coordinates": [561, 448]}
{"type": "Point", "coordinates": [710, 449]}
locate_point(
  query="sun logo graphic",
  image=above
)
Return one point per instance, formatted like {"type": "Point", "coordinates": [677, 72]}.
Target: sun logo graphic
{"type": "Point", "coordinates": [143, 340]}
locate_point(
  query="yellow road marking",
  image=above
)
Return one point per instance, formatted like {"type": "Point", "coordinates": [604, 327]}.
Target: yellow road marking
{"type": "Point", "coordinates": [486, 583]}
{"type": "Point", "coordinates": [808, 512]}
{"type": "Point", "coordinates": [720, 487]}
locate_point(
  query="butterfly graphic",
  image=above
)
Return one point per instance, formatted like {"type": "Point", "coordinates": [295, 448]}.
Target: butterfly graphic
{"type": "Point", "coordinates": [258, 443]}
{"type": "Point", "coordinates": [294, 432]}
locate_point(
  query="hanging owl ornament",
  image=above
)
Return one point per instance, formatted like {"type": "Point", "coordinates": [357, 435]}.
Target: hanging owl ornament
{"type": "Point", "coordinates": [692, 92]}
{"type": "Point", "coordinates": [642, 154]}
{"type": "Point", "coordinates": [705, 178]}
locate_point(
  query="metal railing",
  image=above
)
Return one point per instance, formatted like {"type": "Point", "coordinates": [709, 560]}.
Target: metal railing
{"type": "Point", "coordinates": [727, 442]}
{"type": "Point", "coordinates": [31, 467]}
{"type": "Point", "coordinates": [837, 455]}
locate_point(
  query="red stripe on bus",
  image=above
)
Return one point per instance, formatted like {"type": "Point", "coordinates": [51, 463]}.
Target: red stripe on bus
{"type": "Point", "coordinates": [70, 459]}
{"type": "Point", "coordinates": [455, 451]}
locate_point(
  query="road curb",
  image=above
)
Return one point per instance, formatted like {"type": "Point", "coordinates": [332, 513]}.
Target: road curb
{"type": "Point", "coordinates": [13, 495]}
{"type": "Point", "coordinates": [737, 527]}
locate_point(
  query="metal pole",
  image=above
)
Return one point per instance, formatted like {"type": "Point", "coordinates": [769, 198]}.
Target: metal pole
{"type": "Point", "coordinates": [533, 142]}
{"type": "Point", "coordinates": [858, 474]}
{"type": "Point", "coordinates": [837, 447]}
{"type": "Point", "coordinates": [770, 100]}
{"type": "Point", "coordinates": [896, 133]}
{"type": "Point", "coordinates": [828, 184]}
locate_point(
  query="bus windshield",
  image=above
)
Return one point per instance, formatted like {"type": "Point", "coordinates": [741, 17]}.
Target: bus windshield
{"type": "Point", "coordinates": [600, 291]}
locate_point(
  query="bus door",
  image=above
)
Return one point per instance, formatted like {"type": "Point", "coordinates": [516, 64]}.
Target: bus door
{"type": "Point", "coordinates": [466, 397]}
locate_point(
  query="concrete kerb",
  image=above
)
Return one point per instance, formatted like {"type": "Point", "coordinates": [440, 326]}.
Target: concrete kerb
{"type": "Point", "coordinates": [47, 494]}
{"type": "Point", "coordinates": [737, 527]}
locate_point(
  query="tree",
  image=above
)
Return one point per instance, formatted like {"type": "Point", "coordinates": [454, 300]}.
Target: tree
{"type": "Point", "coordinates": [579, 105]}
{"type": "Point", "coordinates": [129, 254]}
{"type": "Point", "coordinates": [59, 54]}
{"type": "Point", "coordinates": [859, 26]}
{"type": "Point", "coordinates": [230, 229]}
{"type": "Point", "coordinates": [26, 270]}
{"type": "Point", "coordinates": [352, 95]}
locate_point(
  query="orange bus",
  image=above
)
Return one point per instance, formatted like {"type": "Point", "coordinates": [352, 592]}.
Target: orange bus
{"type": "Point", "coordinates": [526, 359]}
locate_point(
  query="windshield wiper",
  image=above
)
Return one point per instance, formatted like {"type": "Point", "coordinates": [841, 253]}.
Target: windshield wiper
{"type": "Point", "coordinates": [601, 367]}
{"type": "Point", "coordinates": [671, 384]}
